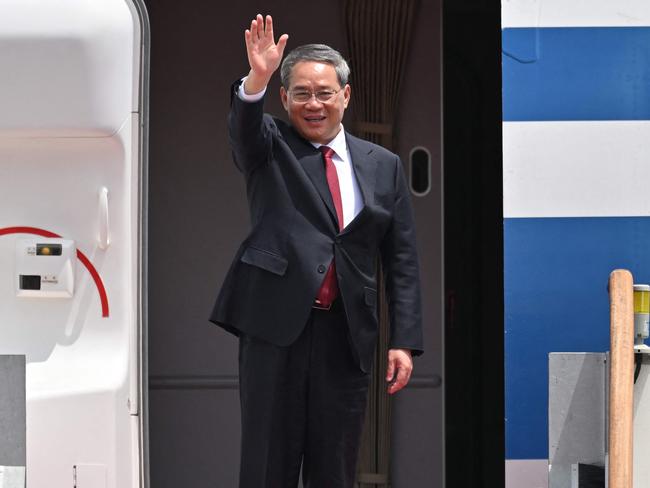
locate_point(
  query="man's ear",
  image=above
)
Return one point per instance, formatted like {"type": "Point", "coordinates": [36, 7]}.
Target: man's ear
{"type": "Point", "coordinates": [347, 91]}
{"type": "Point", "coordinates": [284, 97]}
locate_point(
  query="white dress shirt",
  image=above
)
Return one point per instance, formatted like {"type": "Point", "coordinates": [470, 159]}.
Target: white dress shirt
{"type": "Point", "coordinates": [350, 194]}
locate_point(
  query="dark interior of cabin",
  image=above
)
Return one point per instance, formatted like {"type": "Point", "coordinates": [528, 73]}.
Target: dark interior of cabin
{"type": "Point", "coordinates": [442, 115]}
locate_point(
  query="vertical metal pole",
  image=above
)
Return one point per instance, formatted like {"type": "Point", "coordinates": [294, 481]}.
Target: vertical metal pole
{"type": "Point", "coordinates": [621, 387]}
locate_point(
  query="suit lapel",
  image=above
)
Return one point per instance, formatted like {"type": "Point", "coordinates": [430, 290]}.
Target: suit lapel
{"type": "Point", "coordinates": [311, 160]}
{"type": "Point", "coordinates": [315, 168]}
{"type": "Point", "coordinates": [365, 168]}
{"type": "Point", "coordinates": [363, 165]}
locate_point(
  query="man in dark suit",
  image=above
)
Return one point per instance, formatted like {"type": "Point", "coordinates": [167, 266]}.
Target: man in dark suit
{"type": "Point", "coordinates": [301, 293]}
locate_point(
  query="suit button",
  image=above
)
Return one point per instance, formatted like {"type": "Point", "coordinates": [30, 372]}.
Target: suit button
{"type": "Point", "coordinates": [321, 269]}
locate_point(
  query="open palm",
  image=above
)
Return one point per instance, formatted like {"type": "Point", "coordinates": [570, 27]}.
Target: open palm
{"type": "Point", "coordinates": [264, 55]}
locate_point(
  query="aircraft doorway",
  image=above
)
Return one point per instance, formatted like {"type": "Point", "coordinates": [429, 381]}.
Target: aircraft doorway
{"type": "Point", "coordinates": [198, 217]}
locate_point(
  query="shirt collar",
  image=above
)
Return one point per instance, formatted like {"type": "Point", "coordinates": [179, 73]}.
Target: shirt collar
{"type": "Point", "coordinates": [338, 144]}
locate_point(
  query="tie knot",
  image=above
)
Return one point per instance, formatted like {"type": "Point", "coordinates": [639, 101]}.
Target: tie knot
{"type": "Point", "coordinates": [327, 151]}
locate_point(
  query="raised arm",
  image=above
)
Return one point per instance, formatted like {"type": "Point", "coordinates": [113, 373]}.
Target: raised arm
{"type": "Point", "coordinates": [249, 136]}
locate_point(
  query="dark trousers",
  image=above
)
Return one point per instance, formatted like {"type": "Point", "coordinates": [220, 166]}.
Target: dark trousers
{"type": "Point", "coordinates": [302, 405]}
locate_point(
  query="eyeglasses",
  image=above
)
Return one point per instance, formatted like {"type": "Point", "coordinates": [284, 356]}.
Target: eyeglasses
{"type": "Point", "coordinates": [303, 96]}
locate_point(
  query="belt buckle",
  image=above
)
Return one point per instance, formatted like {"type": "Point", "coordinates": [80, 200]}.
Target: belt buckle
{"type": "Point", "coordinates": [319, 306]}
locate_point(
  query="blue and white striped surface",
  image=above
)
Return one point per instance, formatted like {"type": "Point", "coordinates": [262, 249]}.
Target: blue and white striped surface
{"type": "Point", "coordinates": [576, 176]}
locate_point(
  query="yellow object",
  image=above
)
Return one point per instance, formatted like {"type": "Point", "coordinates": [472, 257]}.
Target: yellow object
{"type": "Point", "coordinates": [641, 300]}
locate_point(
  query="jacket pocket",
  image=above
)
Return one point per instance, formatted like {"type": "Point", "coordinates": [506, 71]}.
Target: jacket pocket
{"type": "Point", "coordinates": [370, 296]}
{"type": "Point", "coordinates": [265, 259]}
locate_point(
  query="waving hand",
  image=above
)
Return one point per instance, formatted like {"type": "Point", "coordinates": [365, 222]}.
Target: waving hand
{"type": "Point", "coordinates": [264, 55]}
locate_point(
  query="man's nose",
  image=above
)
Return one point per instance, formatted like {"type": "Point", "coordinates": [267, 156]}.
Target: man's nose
{"type": "Point", "coordinates": [313, 102]}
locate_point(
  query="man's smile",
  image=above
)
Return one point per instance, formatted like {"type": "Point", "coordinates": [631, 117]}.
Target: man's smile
{"type": "Point", "coordinates": [314, 119]}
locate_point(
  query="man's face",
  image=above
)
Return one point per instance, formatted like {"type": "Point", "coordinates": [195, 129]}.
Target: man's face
{"type": "Point", "coordinates": [314, 120]}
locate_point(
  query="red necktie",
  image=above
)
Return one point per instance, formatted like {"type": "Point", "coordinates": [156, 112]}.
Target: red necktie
{"type": "Point", "coordinates": [329, 289]}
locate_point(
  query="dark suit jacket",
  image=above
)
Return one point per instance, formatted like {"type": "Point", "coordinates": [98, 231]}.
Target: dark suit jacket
{"type": "Point", "coordinates": [271, 285]}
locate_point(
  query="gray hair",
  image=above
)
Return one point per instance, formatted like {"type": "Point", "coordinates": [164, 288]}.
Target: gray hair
{"type": "Point", "coordinates": [319, 53]}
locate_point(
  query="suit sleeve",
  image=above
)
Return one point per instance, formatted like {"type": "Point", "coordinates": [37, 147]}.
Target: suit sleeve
{"type": "Point", "coordinates": [401, 271]}
{"type": "Point", "coordinates": [249, 132]}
